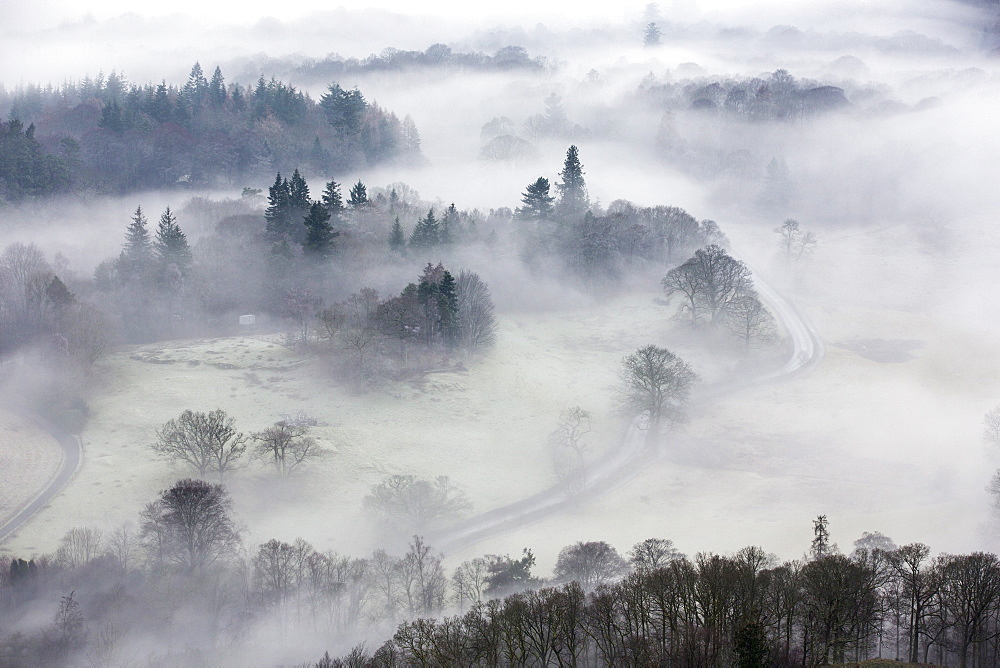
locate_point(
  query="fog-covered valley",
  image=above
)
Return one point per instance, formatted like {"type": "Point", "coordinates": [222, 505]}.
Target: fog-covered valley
{"type": "Point", "coordinates": [692, 274]}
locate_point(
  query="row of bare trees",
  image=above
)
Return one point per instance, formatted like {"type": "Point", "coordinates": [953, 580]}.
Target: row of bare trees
{"type": "Point", "coordinates": [209, 442]}
{"type": "Point", "coordinates": [743, 610]}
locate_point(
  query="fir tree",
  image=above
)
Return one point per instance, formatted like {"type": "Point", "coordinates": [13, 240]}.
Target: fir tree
{"type": "Point", "coordinates": [319, 232]}
{"type": "Point", "coordinates": [651, 35]}
{"type": "Point", "coordinates": [537, 201]}
{"type": "Point", "coordinates": [397, 240]}
{"type": "Point", "coordinates": [447, 298]}
{"type": "Point", "coordinates": [298, 192]}
{"type": "Point", "coordinates": [217, 89]}
{"type": "Point", "coordinates": [573, 200]}
{"type": "Point", "coordinates": [196, 88]}
{"type": "Point", "coordinates": [359, 195]}
{"type": "Point", "coordinates": [138, 249]}
{"type": "Point", "coordinates": [426, 232]}
{"type": "Point", "coordinates": [449, 225]}
{"type": "Point", "coordinates": [171, 245]}
{"type": "Point", "coordinates": [278, 199]}
{"type": "Point", "coordinates": [332, 199]}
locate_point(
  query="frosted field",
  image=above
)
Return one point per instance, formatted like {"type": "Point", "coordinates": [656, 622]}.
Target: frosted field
{"type": "Point", "coordinates": [884, 435]}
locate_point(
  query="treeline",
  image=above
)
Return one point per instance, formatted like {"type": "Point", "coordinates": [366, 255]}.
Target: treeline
{"type": "Point", "coordinates": [716, 610]}
{"type": "Point", "coordinates": [601, 246]}
{"type": "Point", "coordinates": [109, 135]}
{"type": "Point", "coordinates": [181, 580]}
{"type": "Point", "coordinates": [391, 60]}
{"type": "Point", "coordinates": [778, 96]}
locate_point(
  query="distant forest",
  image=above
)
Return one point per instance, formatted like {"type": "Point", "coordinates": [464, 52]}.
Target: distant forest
{"type": "Point", "coordinates": [392, 60]}
{"type": "Point", "coordinates": [108, 135]}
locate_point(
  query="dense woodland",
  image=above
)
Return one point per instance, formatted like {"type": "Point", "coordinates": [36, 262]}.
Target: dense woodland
{"type": "Point", "coordinates": [109, 135]}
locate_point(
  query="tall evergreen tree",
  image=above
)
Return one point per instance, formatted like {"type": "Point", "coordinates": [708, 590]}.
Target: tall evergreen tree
{"type": "Point", "coordinates": [426, 232]}
{"type": "Point", "coordinates": [537, 203]}
{"type": "Point", "coordinates": [573, 200]}
{"type": "Point", "coordinates": [138, 249]}
{"type": "Point", "coordinates": [278, 199]}
{"type": "Point", "coordinates": [217, 89]}
{"type": "Point", "coordinates": [319, 233]}
{"type": "Point", "coordinates": [298, 192]}
{"type": "Point", "coordinates": [196, 88]}
{"type": "Point", "coordinates": [449, 225]}
{"type": "Point", "coordinates": [448, 308]}
{"type": "Point", "coordinates": [397, 240]}
{"type": "Point", "coordinates": [171, 245]}
{"type": "Point", "coordinates": [359, 195]}
{"type": "Point", "coordinates": [332, 199]}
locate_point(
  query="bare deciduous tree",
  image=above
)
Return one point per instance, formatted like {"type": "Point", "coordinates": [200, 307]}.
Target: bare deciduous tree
{"type": "Point", "coordinates": [656, 383]}
{"type": "Point", "coordinates": [79, 546]}
{"type": "Point", "coordinates": [653, 553]}
{"type": "Point", "coordinates": [570, 443]}
{"type": "Point", "coordinates": [991, 430]}
{"type": "Point", "coordinates": [287, 443]}
{"type": "Point", "coordinates": [416, 502]}
{"type": "Point", "coordinates": [476, 323]}
{"type": "Point", "coordinates": [590, 564]}
{"type": "Point", "coordinates": [796, 244]}
{"type": "Point", "coordinates": [190, 525]}
{"type": "Point", "coordinates": [749, 320]}
{"type": "Point", "coordinates": [710, 282]}
{"type": "Point", "coordinates": [204, 441]}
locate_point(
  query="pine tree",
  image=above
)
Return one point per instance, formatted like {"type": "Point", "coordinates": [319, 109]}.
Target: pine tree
{"type": "Point", "coordinates": [319, 232]}
{"type": "Point", "coordinates": [447, 298]}
{"type": "Point", "coordinates": [217, 89]}
{"type": "Point", "coordinates": [196, 88]}
{"type": "Point", "coordinates": [138, 249]}
{"type": "Point", "coordinates": [278, 198]}
{"type": "Point", "coordinates": [651, 35]}
{"type": "Point", "coordinates": [537, 201]}
{"type": "Point", "coordinates": [449, 225]}
{"type": "Point", "coordinates": [359, 195]}
{"type": "Point", "coordinates": [573, 200]}
{"type": "Point", "coordinates": [332, 199]}
{"type": "Point", "coordinates": [426, 233]}
{"type": "Point", "coordinates": [171, 245]}
{"type": "Point", "coordinates": [298, 191]}
{"type": "Point", "coordinates": [397, 240]}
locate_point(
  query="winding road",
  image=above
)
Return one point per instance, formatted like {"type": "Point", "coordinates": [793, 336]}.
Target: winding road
{"type": "Point", "coordinates": [634, 454]}
{"type": "Point", "coordinates": [72, 454]}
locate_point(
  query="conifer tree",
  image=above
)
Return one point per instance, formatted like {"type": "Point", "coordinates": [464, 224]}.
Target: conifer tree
{"type": "Point", "coordinates": [359, 195]}
{"type": "Point", "coordinates": [397, 240]}
{"type": "Point", "coordinates": [298, 192]}
{"type": "Point", "coordinates": [319, 232]}
{"type": "Point", "coordinates": [573, 200]}
{"type": "Point", "coordinates": [217, 89]}
{"type": "Point", "coordinates": [171, 245]}
{"type": "Point", "coordinates": [278, 199]}
{"type": "Point", "coordinates": [447, 298]}
{"type": "Point", "coordinates": [537, 201]}
{"type": "Point", "coordinates": [449, 225]}
{"type": "Point", "coordinates": [138, 248]}
{"type": "Point", "coordinates": [426, 233]}
{"type": "Point", "coordinates": [332, 199]}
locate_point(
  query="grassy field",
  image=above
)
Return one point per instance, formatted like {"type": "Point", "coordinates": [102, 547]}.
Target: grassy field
{"type": "Point", "coordinates": [884, 435]}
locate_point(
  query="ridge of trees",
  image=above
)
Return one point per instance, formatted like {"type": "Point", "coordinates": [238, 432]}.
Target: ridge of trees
{"type": "Point", "coordinates": [107, 134]}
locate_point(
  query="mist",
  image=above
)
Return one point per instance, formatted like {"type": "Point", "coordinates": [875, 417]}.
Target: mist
{"type": "Point", "coordinates": [859, 395]}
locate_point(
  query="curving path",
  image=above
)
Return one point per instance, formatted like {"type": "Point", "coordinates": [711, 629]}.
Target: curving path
{"type": "Point", "coordinates": [72, 455]}
{"type": "Point", "coordinates": [633, 454]}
